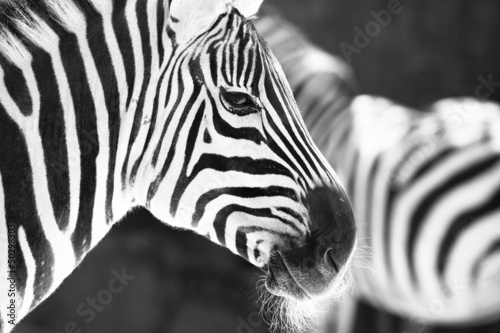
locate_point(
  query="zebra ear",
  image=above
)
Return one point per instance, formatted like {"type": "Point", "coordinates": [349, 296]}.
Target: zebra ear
{"type": "Point", "coordinates": [189, 18]}
{"type": "Point", "coordinates": [247, 8]}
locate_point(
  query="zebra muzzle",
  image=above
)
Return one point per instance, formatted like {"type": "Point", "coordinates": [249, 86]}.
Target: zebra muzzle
{"type": "Point", "coordinates": [315, 268]}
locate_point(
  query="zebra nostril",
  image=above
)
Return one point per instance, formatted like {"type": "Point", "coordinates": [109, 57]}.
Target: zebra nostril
{"type": "Point", "coordinates": [330, 261]}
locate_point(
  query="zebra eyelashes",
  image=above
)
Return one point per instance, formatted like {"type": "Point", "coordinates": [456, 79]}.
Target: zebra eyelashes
{"type": "Point", "coordinates": [239, 103]}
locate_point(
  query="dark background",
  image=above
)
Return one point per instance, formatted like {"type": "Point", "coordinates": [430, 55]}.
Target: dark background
{"type": "Point", "coordinates": [183, 283]}
{"type": "Point", "coordinates": [430, 50]}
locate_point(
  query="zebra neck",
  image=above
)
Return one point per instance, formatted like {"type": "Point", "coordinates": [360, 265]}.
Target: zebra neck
{"type": "Point", "coordinates": [76, 85]}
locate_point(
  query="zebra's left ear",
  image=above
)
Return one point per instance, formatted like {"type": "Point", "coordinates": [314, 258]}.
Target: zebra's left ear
{"type": "Point", "coordinates": [190, 18]}
{"type": "Point", "coordinates": [247, 8]}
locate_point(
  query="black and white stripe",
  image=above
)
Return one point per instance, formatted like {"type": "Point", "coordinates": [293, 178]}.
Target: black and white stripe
{"type": "Point", "coordinates": [425, 185]}
{"type": "Point", "coordinates": [107, 105]}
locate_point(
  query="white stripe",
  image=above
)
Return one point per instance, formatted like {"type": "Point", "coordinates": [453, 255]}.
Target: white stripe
{"type": "Point", "coordinates": [155, 71]}
{"type": "Point", "coordinates": [106, 10]}
{"type": "Point", "coordinates": [13, 49]}
{"type": "Point", "coordinates": [61, 245]}
{"type": "Point", "coordinates": [128, 120]}
{"type": "Point", "coordinates": [166, 189]}
{"type": "Point", "coordinates": [45, 38]}
{"type": "Point", "coordinates": [405, 205]}
{"type": "Point", "coordinates": [30, 263]}
{"type": "Point", "coordinates": [439, 219]}
{"type": "Point", "coordinates": [470, 246]}
{"type": "Point", "coordinates": [74, 21]}
{"type": "Point", "coordinates": [99, 225]}
{"type": "Point", "coordinates": [284, 132]}
{"type": "Point", "coordinates": [130, 12]}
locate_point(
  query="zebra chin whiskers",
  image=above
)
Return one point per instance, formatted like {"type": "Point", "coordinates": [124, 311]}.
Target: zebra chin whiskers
{"type": "Point", "coordinates": [286, 314]}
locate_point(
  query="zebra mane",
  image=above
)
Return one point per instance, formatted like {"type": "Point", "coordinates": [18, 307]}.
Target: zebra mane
{"type": "Point", "coordinates": [25, 23]}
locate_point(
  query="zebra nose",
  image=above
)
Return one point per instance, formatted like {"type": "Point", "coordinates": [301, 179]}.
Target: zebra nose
{"type": "Point", "coordinates": [330, 261]}
{"type": "Point", "coordinates": [331, 254]}
{"type": "Point", "coordinates": [332, 240]}
{"type": "Point", "coordinates": [332, 223]}
{"type": "Point", "coordinates": [316, 267]}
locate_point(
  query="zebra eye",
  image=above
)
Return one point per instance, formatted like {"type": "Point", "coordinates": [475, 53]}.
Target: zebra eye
{"type": "Point", "coordinates": [239, 103]}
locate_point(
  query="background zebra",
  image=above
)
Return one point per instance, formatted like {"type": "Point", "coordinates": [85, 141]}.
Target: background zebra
{"type": "Point", "coordinates": [178, 107]}
{"type": "Point", "coordinates": [425, 186]}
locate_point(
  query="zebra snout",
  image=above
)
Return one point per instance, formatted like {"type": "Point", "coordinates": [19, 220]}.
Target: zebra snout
{"type": "Point", "coordinates": [333, 228]}
{"type": "Point", "coordinates": [316, 267]}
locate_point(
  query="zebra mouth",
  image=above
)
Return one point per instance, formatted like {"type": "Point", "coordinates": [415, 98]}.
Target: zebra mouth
{"type": "Point", "coordinates": [280, 281]}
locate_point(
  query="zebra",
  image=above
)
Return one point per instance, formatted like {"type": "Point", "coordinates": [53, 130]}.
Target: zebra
{"type": "Point", "coordinates": [177, 106]}
{"type": "Point", "coordinates": [425, 187]}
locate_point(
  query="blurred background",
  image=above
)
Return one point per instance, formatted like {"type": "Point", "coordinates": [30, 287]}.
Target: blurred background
{"type": "Point", "coordinates": [179, 282]}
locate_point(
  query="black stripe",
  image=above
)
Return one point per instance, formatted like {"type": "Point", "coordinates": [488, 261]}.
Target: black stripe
{"type": "Point", "coordinates": [183, 180]}
{"type": "Point", "coordinates": [225, 129]}
{"type": "Point", "coordinates": [53, 134]}
{"type": "Point", "coordinates": [107, 75]}
{"type": "Point", "coordinates": [425, 207]}
{"type": "Point", "coordinates": [124, 40]}
{"type": "Point", "coordinates": [224, 164]}
{"type": "Point", "coordinates": [231, 64]}
{"type": "Point", "coordinates": [461, 224]}
{"type": "Point", "coordinates": [240, 60]}
{"type": "Point", "coordinates": [222, 216]}
{"type": "Point", "coordinates": [21, 208]}
{"type": "Point", "coordinates": [278, 108]}
{"type": "Point", "coordinates": [250, 66]}
{"type": "Point", "coordinates": [395, 189]}
{"type": "Point", "coordinates": [429, 165]}
{"type": "Point", "coordinates": [292, 213]}
{"type": "Point", "coordinates": [305, 147]}
{"type": "Point", "coordinates": [171, 153]}
{"type": "Point", "coordinates": [17, 88]}
{"type": "Point", "coordinates": [278, 150]}
{"type": "Point", "coordinates": [223, 55]}
{"type": "Point", "coordinates": [492, 250]}
{"type": "Point", "coordinates": [86, 126]}
{"type": "Point", "coordinates": [171, 113]}
{"type": "Point", "coordinates": [152, 125]}
{"type": "Point", "coordinates": [241, 242]}
{"type": "Point", "coordinates": [160, 10]}
{"type": "Point", "coordinates": [244, 192]}
{"type": "Point", "coordinates": [178, 59]}
{"type": "Point", "coordinates": [215, 44]}
{"type": "Point", "coordinates": [142, 17]}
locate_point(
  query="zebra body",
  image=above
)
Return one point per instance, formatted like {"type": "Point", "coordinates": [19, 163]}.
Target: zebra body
{"type": "Point", "coordinates": [177, 106]}
{"type": "Point", "coordinates": [425, 186]}
{"type": "Point", "coordinates": [429, 193]}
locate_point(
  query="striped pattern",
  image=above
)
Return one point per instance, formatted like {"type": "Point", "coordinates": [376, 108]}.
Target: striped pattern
{"type": "Point", "coordinates": [107, 105]}
{"type": "Point", "coordinates": [425, 186]}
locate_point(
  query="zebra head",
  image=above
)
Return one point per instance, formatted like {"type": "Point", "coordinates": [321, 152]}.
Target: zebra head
{"type": "Point", "coordinates": [235, 162]}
